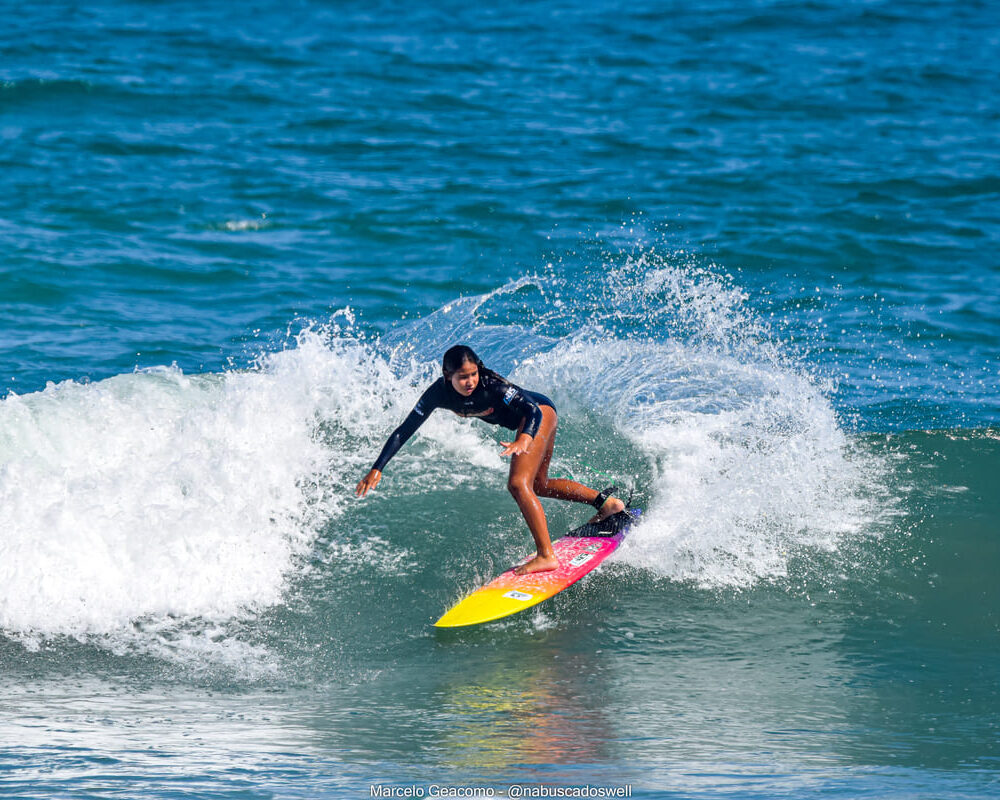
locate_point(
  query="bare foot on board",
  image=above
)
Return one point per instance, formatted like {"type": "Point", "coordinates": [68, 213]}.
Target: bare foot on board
{"type": "Point", "coordinates": [537, 564]}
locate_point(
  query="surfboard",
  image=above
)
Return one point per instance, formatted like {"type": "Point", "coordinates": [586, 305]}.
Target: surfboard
{"type": "Point", "coordinates": [579, 552]}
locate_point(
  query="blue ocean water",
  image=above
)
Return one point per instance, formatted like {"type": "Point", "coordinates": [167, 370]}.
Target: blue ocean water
{"type": "Point", "coordinates": [749, 249]}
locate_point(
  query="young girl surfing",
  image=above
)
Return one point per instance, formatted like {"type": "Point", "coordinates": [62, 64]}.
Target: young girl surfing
{"type": "Point", "coordinates": [471, 390]}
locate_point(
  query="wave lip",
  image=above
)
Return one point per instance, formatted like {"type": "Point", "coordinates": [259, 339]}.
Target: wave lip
{"type": "Point", "coordinates": [158, 498]}
{"type": "Point", "coordinates": [746, 463]}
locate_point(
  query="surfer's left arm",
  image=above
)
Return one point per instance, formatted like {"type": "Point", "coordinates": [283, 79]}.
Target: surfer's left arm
{"type": "Point", "coordinates": [428, 401]}
{"type": "Point", "coordinates": [396, 440]}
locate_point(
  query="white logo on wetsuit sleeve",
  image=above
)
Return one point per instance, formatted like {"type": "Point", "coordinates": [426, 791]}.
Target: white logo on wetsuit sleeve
{"type": "Point", "coordinates": [509, 395]}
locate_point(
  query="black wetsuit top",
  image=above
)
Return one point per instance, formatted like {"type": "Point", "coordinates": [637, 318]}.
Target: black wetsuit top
{"type": "Point", "coordinates": [493, 400]}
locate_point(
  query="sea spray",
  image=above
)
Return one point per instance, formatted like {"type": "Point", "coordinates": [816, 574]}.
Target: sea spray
{"type": "Point", "coordinates": [742, 461]}
{"type": "Point", "coordinates": [152, 494]}
{"type": "Point", "coordinates": [176, 504]}
{"type": "Point", "coordinates": [746, 463]}
{"type": "Point", "coordinates": [157, 501]}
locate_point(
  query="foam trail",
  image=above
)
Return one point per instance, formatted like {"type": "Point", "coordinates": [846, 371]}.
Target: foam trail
{"type": "Point", "coordinates": [140, 495]}
{"type": "Point", "coordinates": [746, 461]}
{"type": "Point", "coordinates": [152, 510]}
{"type": "Point", "coordinates": [149, 510]}
{"type": "Point", "coordinates": [162, 496]}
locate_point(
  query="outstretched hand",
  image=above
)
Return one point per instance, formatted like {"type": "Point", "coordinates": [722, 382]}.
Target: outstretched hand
{"type": "Point", "coordinates": [370, 481]}
{"type": "Point", "coordinates": [517, 447]}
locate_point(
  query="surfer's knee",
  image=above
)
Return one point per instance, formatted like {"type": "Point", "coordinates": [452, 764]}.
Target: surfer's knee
{"type": "Point", "coordinates": [519, 487]}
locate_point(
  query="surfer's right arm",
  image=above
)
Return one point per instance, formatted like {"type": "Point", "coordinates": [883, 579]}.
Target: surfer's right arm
{"type": "Point", "coordinates": [425, 405]}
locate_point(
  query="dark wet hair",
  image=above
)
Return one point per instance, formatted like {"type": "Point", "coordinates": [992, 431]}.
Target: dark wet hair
{"type": "Point", "coordinates": [461, 354]}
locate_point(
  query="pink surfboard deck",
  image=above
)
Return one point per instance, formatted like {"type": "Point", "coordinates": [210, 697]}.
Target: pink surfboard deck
{"type": "Point", "coordinates": [509, 593]}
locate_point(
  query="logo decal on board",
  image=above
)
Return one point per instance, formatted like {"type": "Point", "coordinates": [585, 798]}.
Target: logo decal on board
{"type": "Point", "coordinates": [583, 558]}
{"type": "Point", "coordinates": [513, 594]}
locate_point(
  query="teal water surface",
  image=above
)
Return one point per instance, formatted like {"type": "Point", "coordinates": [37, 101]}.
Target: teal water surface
{"type": "Point", "coordinates": [749, 249]}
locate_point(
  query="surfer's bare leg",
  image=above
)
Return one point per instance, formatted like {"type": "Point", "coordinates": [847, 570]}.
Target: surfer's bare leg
{"type": "Point", "coordinates": [562, 489]}
{"type": "Point", "coordinates": [523, 469]}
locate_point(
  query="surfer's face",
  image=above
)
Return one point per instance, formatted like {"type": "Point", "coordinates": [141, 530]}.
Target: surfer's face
{"type": "Point", "coordinates": [466, 379]}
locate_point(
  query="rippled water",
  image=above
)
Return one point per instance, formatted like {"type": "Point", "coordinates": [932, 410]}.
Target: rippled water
{"type": "Point", "coordinates": [748, 249]}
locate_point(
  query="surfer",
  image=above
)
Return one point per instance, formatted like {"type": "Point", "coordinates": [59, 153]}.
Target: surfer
{"type": "Point", "coordinates": [471, 390]}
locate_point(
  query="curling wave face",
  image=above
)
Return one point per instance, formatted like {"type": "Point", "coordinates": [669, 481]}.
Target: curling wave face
{"type": "Point", "coordinates": [744, 462]}
{"type": "Point", "coordinates": [160, 499]}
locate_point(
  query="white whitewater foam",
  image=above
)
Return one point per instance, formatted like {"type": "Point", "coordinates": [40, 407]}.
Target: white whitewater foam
{"type": "Point", "coordinates": [747, 464]}
{"type": "Point", "coordinates": [148, 511]}
{"type": "Point", "coordinates": [163, 498]}
{"type": "Point", "coordinates": [149, 494]}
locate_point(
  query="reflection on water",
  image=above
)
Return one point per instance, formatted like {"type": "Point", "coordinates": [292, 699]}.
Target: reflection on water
{"type": "Point", "coordinates": [532, 708]}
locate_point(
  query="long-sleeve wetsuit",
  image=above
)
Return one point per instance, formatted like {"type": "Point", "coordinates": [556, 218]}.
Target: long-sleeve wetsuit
{"type": "Point", "coordinates": [493, 400]}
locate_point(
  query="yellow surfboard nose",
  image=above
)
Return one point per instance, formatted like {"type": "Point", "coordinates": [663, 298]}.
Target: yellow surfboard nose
{"type": "Point", "coordinates": [488, 604]}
